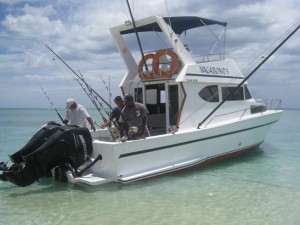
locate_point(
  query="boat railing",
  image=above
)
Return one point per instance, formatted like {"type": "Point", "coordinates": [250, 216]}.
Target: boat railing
{"type": "Point", "coordinates": [198, 58]}
{"type": "Point", "coordinates": [209, 57]}
{"type": "Point", "coordinates": [240, 113]}
{"type": "Point", "coordinates": [269, 104]}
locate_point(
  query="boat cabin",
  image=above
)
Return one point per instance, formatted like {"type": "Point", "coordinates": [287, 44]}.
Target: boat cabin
{"type": "Point", "coordinates": [179, 86]}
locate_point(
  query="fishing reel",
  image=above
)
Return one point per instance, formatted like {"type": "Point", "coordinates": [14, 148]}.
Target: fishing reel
{"type": "Point", "coordinates": [133, 130]}
{"type": "Point", "coordinates": [173, 129]}
{"type": "Point", "coordinates": [114, 129]}
{"type": "Point", "coordinates": [132, 133]}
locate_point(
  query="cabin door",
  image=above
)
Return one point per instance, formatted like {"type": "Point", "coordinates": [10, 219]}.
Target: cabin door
{"type": "Point", "coordinates": [161, 101]}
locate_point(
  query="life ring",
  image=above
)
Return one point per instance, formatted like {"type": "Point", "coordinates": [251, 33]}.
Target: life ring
{"type": "Point", "coordinates": [147, 75]}
{"type": "Point", "coordinates": [173, 67]}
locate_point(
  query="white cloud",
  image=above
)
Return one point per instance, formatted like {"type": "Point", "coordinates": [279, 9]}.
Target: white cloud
{"type": "Point", "coordinates": [33, 25]}
{"type": "Point", "coordinates": [41, 11]}
{"type": "Point", "coordinates": [35, 77]}
{"type": "Point", "coordinates": [12, 2]}
{"type": "Point", "coordinates": [79, 32]}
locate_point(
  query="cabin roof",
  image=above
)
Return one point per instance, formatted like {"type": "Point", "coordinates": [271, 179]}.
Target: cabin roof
{"type": "Point", "coordinates": [179, 24]}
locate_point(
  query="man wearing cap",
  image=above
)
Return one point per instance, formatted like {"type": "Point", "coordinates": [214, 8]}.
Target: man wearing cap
{"type": "Point", "coordinates": [115, 114]}
{"type": "Point", "coordinates": [77, 115]}
{"type": "Point", "coordinates": [134, 115]}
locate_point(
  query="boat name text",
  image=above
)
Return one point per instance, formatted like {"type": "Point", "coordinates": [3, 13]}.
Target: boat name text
{"type": "Point", "coordinates": [214, 70]}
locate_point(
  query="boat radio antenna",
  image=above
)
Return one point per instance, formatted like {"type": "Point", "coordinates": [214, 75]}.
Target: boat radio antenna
{"type": "Point", "coordinates": [297, 25]}
{"type": "Point", "coordinates": [51, 103]}
{"type": "Point", "coordinates": [137, 36]}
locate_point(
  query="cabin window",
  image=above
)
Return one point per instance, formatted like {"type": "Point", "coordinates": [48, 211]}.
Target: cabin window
{"type": "Point", "coordinates": [210, 93]}
{"type": "Point", "coordinates": [138, 93]}
{"type": "Point", "coordinates": [155, 99]}
{"type": "Point", "coordinates": [237, 95]}
{"type": "Point", "coordinates": [247, 93]}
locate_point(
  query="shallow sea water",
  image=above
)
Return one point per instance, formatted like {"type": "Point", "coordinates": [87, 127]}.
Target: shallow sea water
{"type": "Point", "coordinates": [259, 187]}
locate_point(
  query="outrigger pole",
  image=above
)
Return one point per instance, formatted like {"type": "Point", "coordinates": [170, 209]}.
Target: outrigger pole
{"type": "Point", "coordinates": [80, 78]}
{"type": "Point", "coordinates": [51, 103]}
{"type": "Point", "coordinates": [137, 37]}
{"type": "Point", "coordinates": [250, 74]}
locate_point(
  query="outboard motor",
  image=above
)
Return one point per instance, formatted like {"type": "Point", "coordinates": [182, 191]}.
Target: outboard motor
{"type": "Point", "coordinates": [51, 146]}
{"type": "Point", "coordinates": [36, 141]}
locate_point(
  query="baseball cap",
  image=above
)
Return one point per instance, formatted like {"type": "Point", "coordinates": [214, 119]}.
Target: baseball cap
{"type": "Point", "coordinates": [70, 101]}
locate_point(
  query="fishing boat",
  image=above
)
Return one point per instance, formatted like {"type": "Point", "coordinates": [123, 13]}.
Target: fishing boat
{"type": "Point", "coordinates": [180, 90]}
{"type": "Point", "coordinates": [200, 108]}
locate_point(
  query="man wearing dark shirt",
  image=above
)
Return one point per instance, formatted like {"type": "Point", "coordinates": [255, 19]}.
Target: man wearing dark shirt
{"type": "Point", "coordinates": [134, 116]}
{"type": "Point", "coordinates": [115, 115]}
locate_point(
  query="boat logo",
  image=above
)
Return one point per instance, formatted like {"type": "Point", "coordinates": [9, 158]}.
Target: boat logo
{"type": "Point", "coordinates": [84, 146]}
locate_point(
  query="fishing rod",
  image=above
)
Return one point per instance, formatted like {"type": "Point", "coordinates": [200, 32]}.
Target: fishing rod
{"type": "Point", "coordinates": [250, 74]}
{"type": "Point", "coordinates": [112, 121]}
{"type": "Point", "coordinates": [79, 76]}
{"type": "Point", "coordinates": [93, 101]}
{"type": "Point", "coordinates": [137, 36]}
{"type": "Point", "coordinates": [107, 88]}
{"type": "Point", "coordinates": [95, 97]}
{"type": "Point", "coordinates": [51, 103]}
{"type": "Point", "coordinates": [91, 90]}
{"type": "Point", "coordinates": [95, 104]}
{"type": "Point", "coordinates": [92, 98]}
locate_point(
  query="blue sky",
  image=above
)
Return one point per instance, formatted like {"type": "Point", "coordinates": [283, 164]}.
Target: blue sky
{"type": "Point", "coordinates": [79, 32]}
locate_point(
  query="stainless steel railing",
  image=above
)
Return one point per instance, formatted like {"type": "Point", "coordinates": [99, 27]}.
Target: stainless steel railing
{"type": "Point", "coordinates": [269, 104]}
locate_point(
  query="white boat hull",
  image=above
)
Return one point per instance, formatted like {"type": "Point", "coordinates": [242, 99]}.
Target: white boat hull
{"type": "Point", "coordinates": [207, 101]}
{"type": "Point", "coordinates": [141, 159]}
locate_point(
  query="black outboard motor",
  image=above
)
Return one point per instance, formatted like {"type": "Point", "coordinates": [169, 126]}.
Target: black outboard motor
{"type": "Point", "coordinates": [51, 146]}
{"type": "Point", "coordinates": [36, 141]}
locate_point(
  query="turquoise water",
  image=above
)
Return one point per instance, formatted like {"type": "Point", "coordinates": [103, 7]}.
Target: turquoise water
{"type": "Point", "coordinates": [259, 187]}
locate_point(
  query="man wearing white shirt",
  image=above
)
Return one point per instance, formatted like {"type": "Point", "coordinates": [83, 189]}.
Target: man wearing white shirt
{"type": "Point", "coordinates": [77, 115]}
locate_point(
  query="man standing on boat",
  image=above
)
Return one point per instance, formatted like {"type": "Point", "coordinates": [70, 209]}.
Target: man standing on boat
{"type": "Point", "coordinates": [77, 115]}
{"type": "Point", "coordinates": [115, 115]}
{"type": "Point", "coordinates": [134, 118]}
